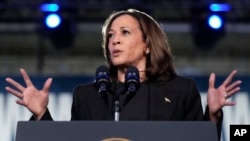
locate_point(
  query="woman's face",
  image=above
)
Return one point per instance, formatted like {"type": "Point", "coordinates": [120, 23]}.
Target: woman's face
{"type": "Point", "coordinates": [126, 45]}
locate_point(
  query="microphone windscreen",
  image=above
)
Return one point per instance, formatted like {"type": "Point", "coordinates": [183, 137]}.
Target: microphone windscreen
{"type": "Point", "coordinates": [102, 69]}
{"type": "Point", "coordinates": [132, 69]}
{"type": "Point", "coordinates": [132, 77]}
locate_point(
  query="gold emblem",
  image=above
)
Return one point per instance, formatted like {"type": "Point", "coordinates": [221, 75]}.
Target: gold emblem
{"type": "Point", "coordinates": [115, 139]}
{"type": "Point", "coordinates": [167, 100]}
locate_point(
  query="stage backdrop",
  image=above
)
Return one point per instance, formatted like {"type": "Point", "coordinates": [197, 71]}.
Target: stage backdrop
{"type": "Point", "coordinates": [61, 98]}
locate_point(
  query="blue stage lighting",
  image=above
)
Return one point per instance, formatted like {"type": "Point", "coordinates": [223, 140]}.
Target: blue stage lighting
{"type": "Point", "coordinates": [209, 23]}
{"type": "Point", "coordinates": [53, 20]}
{"type": "Point", "coordinates": [215, 21]}
{"type": "Point", "coordinates": [52, 7]}
{"type": "Point", "coordinates": [58, 24]}
{"type": "Point", "coordinates": [216, 7]}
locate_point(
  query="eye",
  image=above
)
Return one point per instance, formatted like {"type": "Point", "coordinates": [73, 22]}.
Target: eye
{"type": "Point", "coordinates": [110, 35]}
{"type": "Point", "coordinates": [125, 32]}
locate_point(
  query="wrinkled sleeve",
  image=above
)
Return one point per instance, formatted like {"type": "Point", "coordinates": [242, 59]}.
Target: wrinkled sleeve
{"type": "Point", "coordinates": [46, 116]}
{"type": "Point", "coordinates": [218, 124]}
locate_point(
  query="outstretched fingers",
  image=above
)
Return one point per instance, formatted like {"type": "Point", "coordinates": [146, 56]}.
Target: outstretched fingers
{"type": "Point", "coordinates": [15, 84]}
{"type": "Point", "coordinates": [14, 92]}
{"type": "Point", "coordinates": [26, 77]}
{"type": "Point", "coordinates": [229, 103]}
{"type": "Point", "coordinates": [211, 80]}
{"type": "Point", "coordinates": [233, 88]}
{"type": "Point", "coordinates": [229, 78]}
{"type": "Point", "coordinates": [20, 102]}
{"type": "Point", "coordinates": [47, 85]}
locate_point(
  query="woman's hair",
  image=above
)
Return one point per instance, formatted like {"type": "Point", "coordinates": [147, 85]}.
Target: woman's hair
{"type": "Point", "coordinates": [159, 60]}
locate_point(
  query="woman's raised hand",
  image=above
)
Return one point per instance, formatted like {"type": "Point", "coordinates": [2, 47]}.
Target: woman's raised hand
{"type": "Point", "coordinates": [217, 98]}
{"type": "Point", "coordinates": [29, 96]}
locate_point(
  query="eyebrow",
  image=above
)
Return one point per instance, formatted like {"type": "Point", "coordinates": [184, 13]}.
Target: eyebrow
{"type": "Point", "coordinates": [123, 27]}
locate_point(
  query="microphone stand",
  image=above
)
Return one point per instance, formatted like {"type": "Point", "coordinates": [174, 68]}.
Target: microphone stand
{"type": "Point", "coordinates": [117, 108]}
{"type": "Point", "coordinates": [117, 105]}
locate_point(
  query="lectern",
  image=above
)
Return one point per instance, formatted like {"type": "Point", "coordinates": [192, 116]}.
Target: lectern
{"type": "Point", "coordinates": [116, 131]}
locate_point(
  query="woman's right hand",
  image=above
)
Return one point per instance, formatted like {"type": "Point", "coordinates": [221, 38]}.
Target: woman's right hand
{"type": "Point", "coordinates": [33, 99]}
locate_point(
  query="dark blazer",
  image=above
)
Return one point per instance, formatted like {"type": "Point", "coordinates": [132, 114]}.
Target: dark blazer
{"type": "Point", "coordinates": [177, 99]}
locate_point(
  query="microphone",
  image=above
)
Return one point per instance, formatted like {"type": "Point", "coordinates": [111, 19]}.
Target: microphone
{"type": "Point", "coordinates": [132, 79]}
{"type": "Point", "coordinates": [132, 83]}
{"type": "Point", "coordinates": [102, 79]}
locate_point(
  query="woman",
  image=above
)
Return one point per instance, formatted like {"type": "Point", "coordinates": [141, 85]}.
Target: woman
{"type": "Point", "coordinates": [133, 38]}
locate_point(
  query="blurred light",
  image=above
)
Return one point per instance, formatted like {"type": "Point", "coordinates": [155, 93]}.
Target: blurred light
{"type": "Point", "coordinates": [53, 20]}
{"type": "Point", "coordinates": [50, 7]}
{"type": "Point", "coordinates": [58, 25]}
{"type": "Point", "coordinates": [215, 21]}
{"type": "Point", "coordinates": [215, 7]}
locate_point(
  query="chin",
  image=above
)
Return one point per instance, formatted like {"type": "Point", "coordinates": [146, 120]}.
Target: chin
{"type": "Point", "coordinates": [119, 64]}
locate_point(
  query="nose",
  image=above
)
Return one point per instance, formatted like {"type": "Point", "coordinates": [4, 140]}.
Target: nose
{"type": "Point", "coordinates": [116, 40]}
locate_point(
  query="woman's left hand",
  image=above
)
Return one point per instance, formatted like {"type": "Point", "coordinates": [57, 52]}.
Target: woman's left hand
{"type": "Point", "coordinates": [217, 97]}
